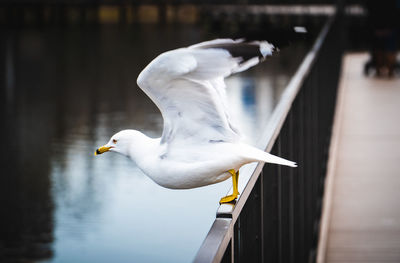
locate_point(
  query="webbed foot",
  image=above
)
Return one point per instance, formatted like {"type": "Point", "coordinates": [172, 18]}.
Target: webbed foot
{"type": "Point", "coordinates": [228, 198]}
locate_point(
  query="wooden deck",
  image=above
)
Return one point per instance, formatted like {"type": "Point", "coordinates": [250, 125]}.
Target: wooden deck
{"type": "Point", "coordinates": [361, 215]}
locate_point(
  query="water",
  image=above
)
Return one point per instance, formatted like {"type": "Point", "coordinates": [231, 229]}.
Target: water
{"type": "Point", "coordinates": [64, 93]}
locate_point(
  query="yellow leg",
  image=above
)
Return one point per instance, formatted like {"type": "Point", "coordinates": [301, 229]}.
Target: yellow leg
{"type": "Point", "coordinates": [234, 195]}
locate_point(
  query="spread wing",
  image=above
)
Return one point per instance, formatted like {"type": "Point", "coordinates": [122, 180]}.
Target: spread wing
{"type": "Point", "coordinates": [187, 85]}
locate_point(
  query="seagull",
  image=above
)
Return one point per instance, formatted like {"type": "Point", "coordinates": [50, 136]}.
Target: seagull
{"type": "Point", "coordinates": [199, 145]}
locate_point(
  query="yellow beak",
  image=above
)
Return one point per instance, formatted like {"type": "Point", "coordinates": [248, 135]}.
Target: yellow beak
{"type": "Point", "coordinates": [102, 149]}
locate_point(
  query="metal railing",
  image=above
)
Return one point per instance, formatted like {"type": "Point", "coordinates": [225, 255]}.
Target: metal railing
{"type": "Point", "coordinates": [276, 218]}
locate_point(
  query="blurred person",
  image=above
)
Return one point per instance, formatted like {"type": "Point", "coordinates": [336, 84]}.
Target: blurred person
{"type": "Point", "coordinates": [383, 25]}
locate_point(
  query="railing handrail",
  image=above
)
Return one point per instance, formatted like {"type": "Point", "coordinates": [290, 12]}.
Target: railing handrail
{"type": "Point", "coordinates": [219, 236]}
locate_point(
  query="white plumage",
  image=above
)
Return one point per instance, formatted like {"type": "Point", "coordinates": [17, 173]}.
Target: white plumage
{"type": "Point", "coordinates": [199, 144]}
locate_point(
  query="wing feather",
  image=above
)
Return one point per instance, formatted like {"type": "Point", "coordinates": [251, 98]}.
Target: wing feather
{"type": "Point", "coordinates": [187, 85]}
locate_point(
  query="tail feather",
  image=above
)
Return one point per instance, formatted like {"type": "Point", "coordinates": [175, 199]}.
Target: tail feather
{"type": "Point", "coordinates": [255, 154]}
{"type": "Point", "coordinates": [269, 158]}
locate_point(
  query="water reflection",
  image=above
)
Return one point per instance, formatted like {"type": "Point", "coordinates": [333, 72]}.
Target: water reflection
{"type": "Point", "coordinates": [65, 93]}
{"type": "Point", "coordinates": [26, 223]}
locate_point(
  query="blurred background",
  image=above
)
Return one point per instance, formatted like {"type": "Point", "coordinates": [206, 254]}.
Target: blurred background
{"type": "Point", "coordinates": [68, 74]}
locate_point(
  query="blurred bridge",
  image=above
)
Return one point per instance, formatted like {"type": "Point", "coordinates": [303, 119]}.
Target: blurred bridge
{"type": "Point", "coordinates": [65, 12]}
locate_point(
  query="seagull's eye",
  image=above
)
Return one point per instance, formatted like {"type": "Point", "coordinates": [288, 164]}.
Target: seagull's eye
{"type": "Point", "coordinates": [114, 141]}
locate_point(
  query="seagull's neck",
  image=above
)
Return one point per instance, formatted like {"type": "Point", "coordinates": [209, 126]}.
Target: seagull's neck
{"type": "Point", "coordinates": [142, 147]}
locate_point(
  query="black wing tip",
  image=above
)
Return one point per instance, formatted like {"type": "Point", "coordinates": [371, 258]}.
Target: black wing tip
{"type": "Point", "coordinates": [245, 49]}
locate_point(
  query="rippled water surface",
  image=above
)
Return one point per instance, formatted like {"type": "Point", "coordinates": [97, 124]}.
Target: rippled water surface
{"type": "Point", "coordinates": [65, 93]}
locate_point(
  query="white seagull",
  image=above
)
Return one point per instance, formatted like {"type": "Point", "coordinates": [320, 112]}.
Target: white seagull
{"type": "Point", "coordinates": [199, 144]}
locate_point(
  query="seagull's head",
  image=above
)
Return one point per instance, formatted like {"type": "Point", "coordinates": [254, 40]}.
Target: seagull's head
{"type": "Point", "coordinates": [119, 142]}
